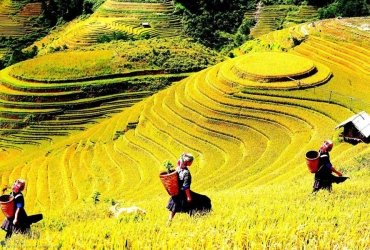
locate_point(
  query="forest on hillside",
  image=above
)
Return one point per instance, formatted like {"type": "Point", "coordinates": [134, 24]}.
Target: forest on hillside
{"type": "Point", "coordinates": [214, 23]}
{"type": "Point", "coordinates": [215, 12]}
{"type": "Point", "coordinates": [205, 19]}
{"type": "Point", "coordinates": [209, 20]}
{"type": "Point", "coordinates": [217, 24]}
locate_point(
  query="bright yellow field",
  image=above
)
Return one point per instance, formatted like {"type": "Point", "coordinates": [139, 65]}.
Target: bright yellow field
{"type": "Point", "coordinates": [274, 64]}
{"type": "Point", "coordinates": [249, 145]}
{"type": "Point", "coordinates": [273, 216]}
{"type": "Point", "coordinates": [266, 217]}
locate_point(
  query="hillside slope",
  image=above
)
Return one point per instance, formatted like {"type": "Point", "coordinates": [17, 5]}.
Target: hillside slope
{"type": "Point", "coordinates": [17, 19]}
{"type": "Point", "coordinates": [126, 20]}
{"type": "Point", "coordinates": [53, 96]}
{"type": "Point", "coordinates": [249, 124]}
{"type": "Point", "coordinates": [238, 125]}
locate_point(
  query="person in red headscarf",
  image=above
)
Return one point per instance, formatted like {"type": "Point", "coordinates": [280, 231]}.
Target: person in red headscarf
{"type": "Point", "coordinates": [19, 223]}
{"type": "Point", "coordinates": [324, 177]}
{"type": "Point", "coordinates": [186, 201]}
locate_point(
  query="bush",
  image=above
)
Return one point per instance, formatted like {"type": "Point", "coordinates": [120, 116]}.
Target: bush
{"type": "Point", "coordinates": [104, 39]}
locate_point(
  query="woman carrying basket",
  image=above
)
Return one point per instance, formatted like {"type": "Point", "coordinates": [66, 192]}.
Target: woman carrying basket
{"type": "Point", "coordinates": [186, 201]}
{"type": "Point", "coordinates": [324, 177]}
{"type": "Point", "coordinates": [19, 223]}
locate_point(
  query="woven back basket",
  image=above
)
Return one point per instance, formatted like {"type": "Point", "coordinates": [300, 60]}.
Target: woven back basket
{"type": "Point", "coordinates": [170, 182]}
{"type": "Point", "coordinates": [7, 205]}
{"type": "Point", "coordinates": [312, 160]}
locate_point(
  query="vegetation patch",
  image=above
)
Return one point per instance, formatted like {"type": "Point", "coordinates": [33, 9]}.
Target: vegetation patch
{"type": "Point", "coordinates": [162, 55]}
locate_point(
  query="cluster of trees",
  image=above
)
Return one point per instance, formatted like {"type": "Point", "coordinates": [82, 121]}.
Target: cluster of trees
{"type": "Point", "coordinates": [123, 36]}
{"type": "Point", "coordinates": [115, 36]}
{"type": "Point", "coordinates": [345, 8]}
{"type": "Point", "coordinates": [16, 45]}
{"type": "Point", "coordinates": [216, 23]}
{"type": "Point", "coordinates": [219, 23]}
{"type": "Point", "coordinates": [58, 11]}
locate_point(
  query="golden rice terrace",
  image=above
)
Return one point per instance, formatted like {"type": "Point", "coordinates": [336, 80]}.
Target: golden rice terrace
{"type": "Point", "coordinates": [248, 121]}
{"type": "Point", "coordinates": [236, 116]}
{"type": "Point", "coordinates": [275, 70]}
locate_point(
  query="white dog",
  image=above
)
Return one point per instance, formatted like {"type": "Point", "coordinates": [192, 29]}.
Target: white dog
{"type": "Point", "coordinates": [126, 210]}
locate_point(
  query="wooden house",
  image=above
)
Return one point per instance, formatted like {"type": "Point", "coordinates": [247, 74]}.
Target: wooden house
{"type": "Point", "coordinates": [356, 128]}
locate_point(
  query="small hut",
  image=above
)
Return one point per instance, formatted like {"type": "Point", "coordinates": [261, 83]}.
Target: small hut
{"type": "Point", "coordinates": [145, 24]}
{"type": "Point", "coordinates": [356, 128]}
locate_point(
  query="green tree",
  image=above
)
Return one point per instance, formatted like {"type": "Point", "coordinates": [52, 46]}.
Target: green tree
{"type": "Point", "coordinates": [345, 8]}
{"type": "Point", "coordinates": [208, 21]}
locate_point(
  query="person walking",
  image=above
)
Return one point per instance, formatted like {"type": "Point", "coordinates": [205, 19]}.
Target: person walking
{"type": "Point", "coordinates": [324, 177]}
{"type": "Point", "coordinates": [186, 201]}
{"type": "Point", "coordinates": [19, 223]}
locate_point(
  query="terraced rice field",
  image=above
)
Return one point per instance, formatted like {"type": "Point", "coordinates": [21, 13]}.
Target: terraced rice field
{"type": "Point", "coordinates": [274, 70]}
{"type": "Point", "coordinates": [302, 15]}
{"type": "Point", "coordinates": [10, 27]}
{"type": "Point", "coordinates": [63, 93]}
{"type": "Point", "coordinates": [46, 110]}
{"type": "Point", "coordinates": [15, 22]}
{"type": "Point", "coordinates": [8, 7]}
{"type": "Point", "coordinates": [249, 129]}
{"type": "Point", "coordinates": [27, 12]}
{"type": "Point", "coordinates": [113, 17]}
{"type": "Point", "coordinates": [234, 116]}
{"type": "Point", "coordinates": [270, 18]}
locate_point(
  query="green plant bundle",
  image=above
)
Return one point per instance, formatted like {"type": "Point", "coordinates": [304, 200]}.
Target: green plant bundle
{"type": "Point", "coordinates": [168, 165]}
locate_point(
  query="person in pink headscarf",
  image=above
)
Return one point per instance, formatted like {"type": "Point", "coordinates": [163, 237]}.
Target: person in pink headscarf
{"type": "Point", "coordinates": [324, 177]}
{"type": "Point", "coordinates": [186, 201]}
{"type": "Point", "coordinates": [19, 223]}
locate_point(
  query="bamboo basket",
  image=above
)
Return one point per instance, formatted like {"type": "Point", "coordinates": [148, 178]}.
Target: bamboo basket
{"type": "Point", "coordinates": [170, 182]}
{"type": "Point", "coordinates": [312, 161]}
{"type": "Point", "coordinates": [7, 205]}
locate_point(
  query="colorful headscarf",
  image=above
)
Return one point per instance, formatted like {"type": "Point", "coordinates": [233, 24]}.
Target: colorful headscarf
{"type": "Point", "coordinates": [326, 146]}
{"type": "Point", "coordinates": [185, 158]}
{"type": "Point", "coordinates": [18, 185]}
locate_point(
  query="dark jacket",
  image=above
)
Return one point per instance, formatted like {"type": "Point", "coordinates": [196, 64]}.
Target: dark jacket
{"type": "Point", "coordinates": [324, 172]}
